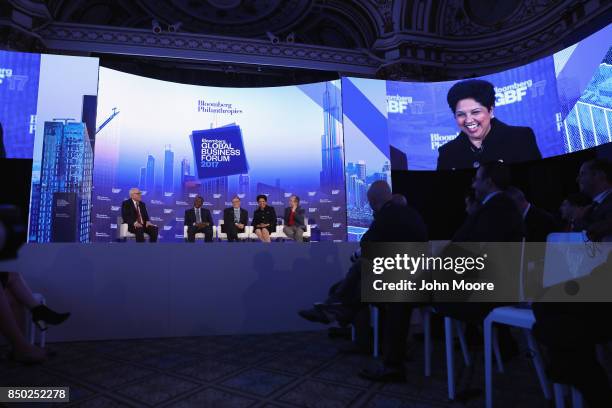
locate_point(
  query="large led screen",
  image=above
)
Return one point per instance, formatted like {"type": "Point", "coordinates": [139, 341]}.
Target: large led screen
{"type": "Point", "coordinates": [19, 75]}
{"type": "Point", "coordinates": [564, 100]}
{"type": "Point", "coordinates": [175, 142]}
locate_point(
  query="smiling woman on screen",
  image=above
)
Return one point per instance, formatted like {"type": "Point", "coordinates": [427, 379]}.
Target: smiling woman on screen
{"type": "Point", "coordinates": [483, 138]}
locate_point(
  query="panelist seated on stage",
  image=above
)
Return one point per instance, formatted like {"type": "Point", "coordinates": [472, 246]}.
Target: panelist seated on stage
{"type": "Point", "coordinates": [294, 220]}
{"type": "Point", "coordinates": [198, 220]}
{"type": "Point", "coordinates": [134, 214]}
{"type": "Point", "coordinates": [235, 220]}
{"type": "Point", "coordinates": [264, 219]}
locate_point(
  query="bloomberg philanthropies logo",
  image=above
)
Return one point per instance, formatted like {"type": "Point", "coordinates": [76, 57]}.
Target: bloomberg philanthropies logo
{"type": "Point", "coordinates": [217, 107]}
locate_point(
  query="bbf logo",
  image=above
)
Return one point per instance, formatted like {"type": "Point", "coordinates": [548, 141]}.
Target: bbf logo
{"type": "Point", "coordinates": [397, 103]}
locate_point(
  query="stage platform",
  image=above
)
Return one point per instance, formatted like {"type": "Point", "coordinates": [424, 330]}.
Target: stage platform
{"type": "Point", "coordinates": [129, 290]}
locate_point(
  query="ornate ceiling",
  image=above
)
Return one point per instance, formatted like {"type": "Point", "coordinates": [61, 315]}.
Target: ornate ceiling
{"type": "Point", "coordinates": [262, 42]}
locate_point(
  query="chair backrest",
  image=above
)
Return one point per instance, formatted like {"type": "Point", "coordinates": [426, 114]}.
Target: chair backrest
{"type": "Point", "coordinates": [569, 255]}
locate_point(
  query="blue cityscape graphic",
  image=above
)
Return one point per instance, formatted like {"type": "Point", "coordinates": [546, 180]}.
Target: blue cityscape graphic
{"type": "Point", "coordinates": [66, 167]}
{"type": "Point", "coordinates": [170, 192]}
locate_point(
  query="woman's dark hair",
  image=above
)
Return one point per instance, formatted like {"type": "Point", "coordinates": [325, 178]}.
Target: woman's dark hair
{"type": "Point", "coordinates": [579, 199]}
{"type": "Point", "coordinates": [262, 196]}
{"type": "Point", "coordinates": [481, 91]}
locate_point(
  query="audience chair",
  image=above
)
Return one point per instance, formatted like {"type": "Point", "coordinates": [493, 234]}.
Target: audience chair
{"type": "Point", "coordinates": [560, 390]}
{"type": "Point", "coordinates": [449, 325]}
{"type": "Point", "coordinates": [374, 319]}
{"type": "Point", "coordinates": [514, 317]}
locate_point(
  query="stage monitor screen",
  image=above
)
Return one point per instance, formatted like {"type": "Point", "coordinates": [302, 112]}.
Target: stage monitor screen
{"type": "Point", "coordinates": [175, 142]}
{"type": "Point", "coordinates": [19, 76]}
{"type": "Point", "coordinates": [552, 106]}
{"type": "Point", "coordinates": [62, 149]}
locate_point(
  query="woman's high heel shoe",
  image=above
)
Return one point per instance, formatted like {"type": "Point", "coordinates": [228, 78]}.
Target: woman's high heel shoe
{"type": "Point", "coordinates": [42, 316]}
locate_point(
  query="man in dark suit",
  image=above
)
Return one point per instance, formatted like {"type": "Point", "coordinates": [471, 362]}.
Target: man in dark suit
{"type": "Point", "coordinates": [134, 214]}
{"type": "Point", "coordinates": [198, 220]}
{"type": "Point", "coordinates": [570, 331]}
{"type": "Point", "coordinates": [483, 138]}
{"type": "Point", "coordinates": [392, 223]}
{"type": "Point", "coordinates": [235, 220]}
{"type": "Point", "coordinates": [538, 223]}
{"type": "Point", "coordinates": [497, 219]}
{"type": "Point", "coordinates": [595, 180]}
{"type": "Point", "coordinates": [294, 220]}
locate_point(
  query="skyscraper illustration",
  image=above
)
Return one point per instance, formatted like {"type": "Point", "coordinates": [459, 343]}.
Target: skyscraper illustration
{"type": "Point", "coordinates": [142, 179]}
{"type": "Point", "coordinates": [331, 141]}
{"type": "Point", "coordinates": [168, 170]}
{"type": "Point", "coordinates": [150, 174]}
{"type": "Point", "coordinates": [66, 167]}
{"type": "Point", "coordinates": [215, 185]}
{"type": "Point", "coordinates": [107, 153]}
{"type": "Point", "coordinates": [243, 184]}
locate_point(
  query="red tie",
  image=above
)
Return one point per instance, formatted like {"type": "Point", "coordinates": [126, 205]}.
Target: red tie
{"type": "Point", "coordinates": [139, 215]}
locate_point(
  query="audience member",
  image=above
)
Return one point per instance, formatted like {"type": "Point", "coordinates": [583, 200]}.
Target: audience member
{"type": "Point", "coordinates": [235, 220]}
{"type": "Point", "coordinates": [392, 223]}
{"type": "Point", "coordinates": [571, 331]}
{"type": "Point", "coordinates": [595, 180]}
{"type": "Point", "coordinates": [294, 220]}
{"type": "Point", "coordinates": [264, 219]}
{"type": "Point", "coordinates": [496, 220]}
{"type": "Point", "coordinates": [134, 214]}
{"type": "Point", "coordinates": [538, 222]}
{"type": "Point", "coordinates": [15, 294]}
{"type": "Point", "coordinates": [572, 209]}
{"type": "Point", "coordinates": [198, 220]}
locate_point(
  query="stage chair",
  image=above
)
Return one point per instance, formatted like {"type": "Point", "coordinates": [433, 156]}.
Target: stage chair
{"type": "Point", "coordinates": [306, 234]}
{"type": "Point", "coordinates": [200, 235]}
{"type": "Point", "coordinates": [33, 328]}
{"type": "Point", "coordinates": [222, 236]}
{"type": "Point", "coordinates": [279, 234]}
{"type": "Point", "coordinates": [123, 233]}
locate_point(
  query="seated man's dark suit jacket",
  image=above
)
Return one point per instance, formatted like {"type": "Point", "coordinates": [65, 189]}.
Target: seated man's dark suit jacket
{"type": "Point", "coordinates": [298, 217]}
{"type": "Point", "coordinates": [498, 220]}
{"type": "Point", "coordinates": [538, 224]}
{"type": "Point", "coordinates": [228, 221]}
{"type": "Point", "coordinates": [190, 217]}
{"type": "Point", "coordinates": [129, 214]}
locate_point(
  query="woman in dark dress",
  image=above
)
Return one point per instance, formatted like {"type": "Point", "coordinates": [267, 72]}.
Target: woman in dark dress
{"type": "Point", "coordinates": [264, 219]}
{"type": "Point", "coordinates": [483, 138]}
